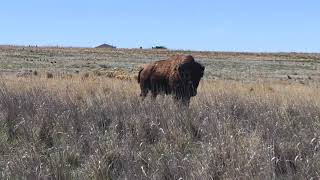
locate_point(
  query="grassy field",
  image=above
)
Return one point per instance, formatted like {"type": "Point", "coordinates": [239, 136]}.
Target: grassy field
{"type": "Point", "coordinates": [248, 121]}
{"type": "Point", "coordinates": [303, 68]}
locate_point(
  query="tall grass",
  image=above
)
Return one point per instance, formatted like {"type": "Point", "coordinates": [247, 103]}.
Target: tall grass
{"type": "Point", "coordinates": [98, 128]}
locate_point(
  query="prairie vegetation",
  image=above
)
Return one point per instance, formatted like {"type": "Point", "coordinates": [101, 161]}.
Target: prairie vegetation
{"type": "Point", "coordinates": [124, 63]}
{"type": "Point", "coordinates": [79, 123]}
{"type": "Point", "coordinates": [98, 128]}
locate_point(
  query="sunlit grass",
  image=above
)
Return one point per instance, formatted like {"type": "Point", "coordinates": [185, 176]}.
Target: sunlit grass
{"type": "Point", "coordinates": [92, 127]}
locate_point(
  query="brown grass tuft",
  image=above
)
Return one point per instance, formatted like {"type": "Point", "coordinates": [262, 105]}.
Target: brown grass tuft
{"type": "Point", "coordinates": [49, 75]}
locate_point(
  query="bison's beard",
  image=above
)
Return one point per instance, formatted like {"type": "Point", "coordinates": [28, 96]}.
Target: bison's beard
{"type": "Point", "coordinates": [185, 93]}
{"type": "Point", "coordinates": [192, 89]}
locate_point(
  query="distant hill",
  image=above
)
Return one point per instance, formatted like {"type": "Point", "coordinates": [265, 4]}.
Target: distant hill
{"type": "Point", "coordinates": [106, 46]}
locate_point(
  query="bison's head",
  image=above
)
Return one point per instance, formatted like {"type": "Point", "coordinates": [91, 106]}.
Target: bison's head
{"type": "Point", "coordinates": [190, 73]}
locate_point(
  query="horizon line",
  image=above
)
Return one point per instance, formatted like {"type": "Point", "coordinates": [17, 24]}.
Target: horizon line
{"type": "Point", "coordinates": [150, 48]}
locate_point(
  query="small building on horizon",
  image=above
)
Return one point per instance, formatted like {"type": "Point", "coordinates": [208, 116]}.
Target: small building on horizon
{"type": "Point", "coordinates": [159, 47]}
{"type": "Point", "coordinates": [106, 46]}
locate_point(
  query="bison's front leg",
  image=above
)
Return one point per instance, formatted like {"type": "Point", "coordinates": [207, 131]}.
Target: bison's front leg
{"type": "Point", "coordinates": [183, 101]}
{"type": "Point", "coordinates": [181, 96]}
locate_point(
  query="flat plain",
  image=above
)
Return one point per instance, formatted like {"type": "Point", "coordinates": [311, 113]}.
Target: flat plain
{"type": "Point", "coordinates": [302, 67]}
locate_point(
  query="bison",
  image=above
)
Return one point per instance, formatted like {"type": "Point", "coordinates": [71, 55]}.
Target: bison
{"type": "Point", "coordinates": [179, 75]}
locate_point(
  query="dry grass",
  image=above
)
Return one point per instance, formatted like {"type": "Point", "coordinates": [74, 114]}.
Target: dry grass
{"type": "Point", "coordinates": [98, 128]}
{"type": "Point", "coordinates": [124, 63]}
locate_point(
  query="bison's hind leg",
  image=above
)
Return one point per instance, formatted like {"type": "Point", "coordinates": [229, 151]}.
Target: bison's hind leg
{"type": "Point", "coordinates": [154, 95]}
{"type": "Point", "coordinates": [144, 93]}
{"type": "Point", "coordinates": [181, 101]}
{"type": "Point", "coordinates": [144, 90]}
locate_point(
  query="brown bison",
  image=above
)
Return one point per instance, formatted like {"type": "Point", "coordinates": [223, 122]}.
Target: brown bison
{"type": "Point", "coordinates": [178, 75]}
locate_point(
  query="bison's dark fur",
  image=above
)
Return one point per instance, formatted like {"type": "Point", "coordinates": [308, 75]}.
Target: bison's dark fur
{"type": "Point", "coordinates": [178, 75]}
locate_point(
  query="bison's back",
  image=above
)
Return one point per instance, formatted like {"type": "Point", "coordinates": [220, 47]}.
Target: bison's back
{"type": "Point", "coordinates": [167, 67]}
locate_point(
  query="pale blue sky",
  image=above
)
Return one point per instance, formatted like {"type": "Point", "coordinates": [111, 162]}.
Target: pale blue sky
{"type": "Point", "coordinates": [226, 25]}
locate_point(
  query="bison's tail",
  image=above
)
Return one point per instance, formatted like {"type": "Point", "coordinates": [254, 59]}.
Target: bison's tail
{"type": "Point", "coordinates": [139, 75]}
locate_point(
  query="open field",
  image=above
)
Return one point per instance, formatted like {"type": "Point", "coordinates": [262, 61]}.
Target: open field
{"type": "Point", "coordinates": [248, 121]}
{"type": "Point", "coordinates": [300, 67]}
